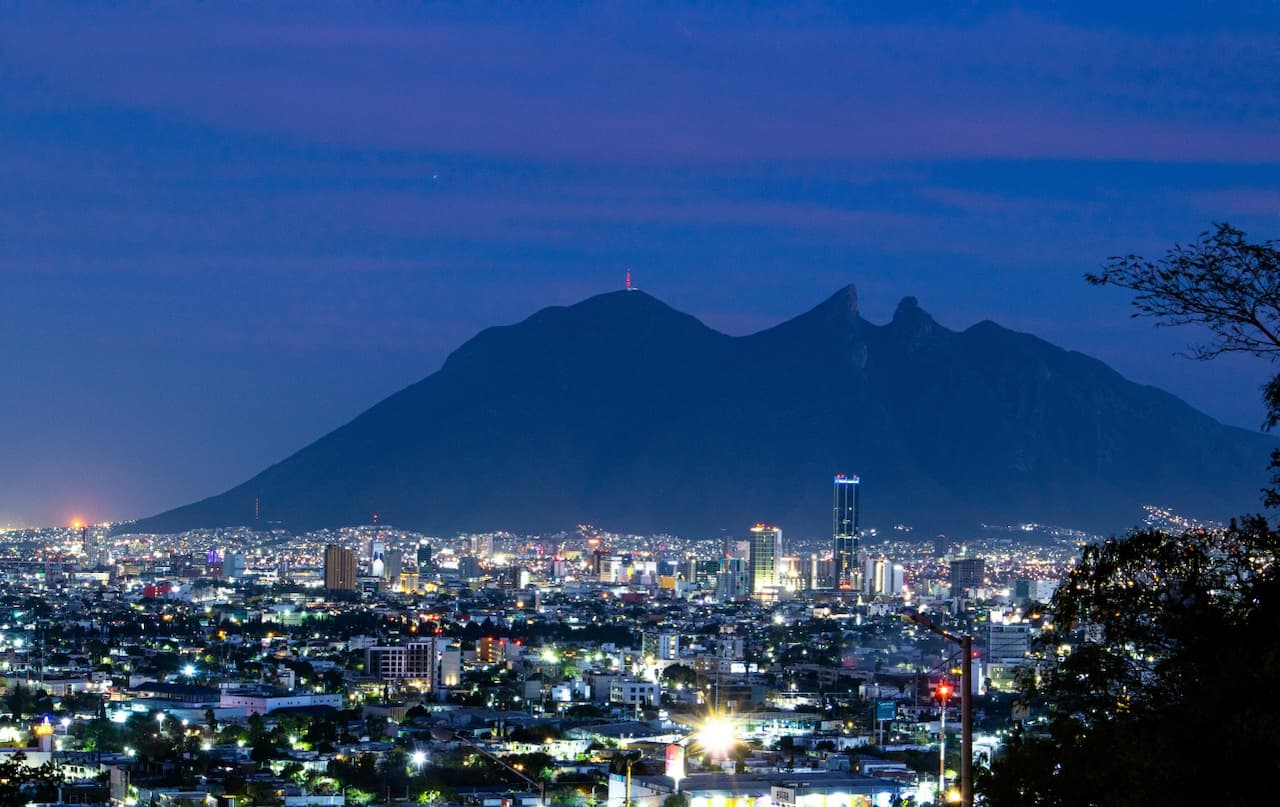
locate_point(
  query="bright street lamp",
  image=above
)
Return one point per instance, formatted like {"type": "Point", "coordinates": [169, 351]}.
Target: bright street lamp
{"type": "Point", "coordinates": [944, 694]}
{"type": "Point", "coordinates": [717, 735]}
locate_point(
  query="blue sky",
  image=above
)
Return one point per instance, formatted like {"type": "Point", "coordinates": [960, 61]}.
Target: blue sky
{"type": "Point", "coordinates": [225, 230]}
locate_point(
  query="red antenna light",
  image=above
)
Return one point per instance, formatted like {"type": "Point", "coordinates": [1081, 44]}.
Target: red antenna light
{"type": "Point", "coordinates": [628, 278]}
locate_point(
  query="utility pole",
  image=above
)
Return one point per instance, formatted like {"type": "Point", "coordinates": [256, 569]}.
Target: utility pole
{"type": "Point", "coordinates": [965, 641]}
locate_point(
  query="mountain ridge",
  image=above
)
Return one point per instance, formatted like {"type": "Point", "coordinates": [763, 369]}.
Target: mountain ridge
{"type": "Point", "coordinates": [623, 411]}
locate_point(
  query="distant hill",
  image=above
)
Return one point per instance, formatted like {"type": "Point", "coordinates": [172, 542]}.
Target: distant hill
{"type": "Point", "coordinates": [623, 412]}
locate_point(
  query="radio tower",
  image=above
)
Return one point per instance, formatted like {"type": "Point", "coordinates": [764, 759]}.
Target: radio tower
{"type": "Point", "coordinates": [629, 279]}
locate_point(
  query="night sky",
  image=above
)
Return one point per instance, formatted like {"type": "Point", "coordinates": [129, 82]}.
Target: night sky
{"type": "Point", "coordinates": [225, 231]}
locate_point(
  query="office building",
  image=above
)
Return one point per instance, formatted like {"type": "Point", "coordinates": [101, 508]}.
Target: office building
{"type": "Point", "coordinates": [663, 646]}
{"type": "Point", "coordinates": [1007, 643]}
{"type": "Point", "coordinates": [733, 580]}
{"type": "Point", "coordinates": [1037, 590]}
{"type": "Point", "coordinates": [339, 568]}
{"type": "Point", "coordinates": [414, 661]}
{"type": "Point", "coordinates": [967, 574]}
{"type": "Point", "coordinates": [844, 529]}
{"type": "Point", "coordinates": [763, 556]}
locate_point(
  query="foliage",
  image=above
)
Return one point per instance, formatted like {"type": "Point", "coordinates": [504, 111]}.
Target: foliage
{"type": "Point", "coordinates": [679, 674]}
{"type": "Point", "coordinates": [1224, 284]}
{"type": "Point", "coordinates": [1159, 666]}
{"type": "Point", "coordinates": [1221, 282]}
{"type": "Point", "coordinates": [20, 784]}
{"type": "Point", "coordinates": [1164, 648]}
{"type": "Point", "coordinates": [20, 701]}
{"type": "Point", "coordinates": [264, 794]}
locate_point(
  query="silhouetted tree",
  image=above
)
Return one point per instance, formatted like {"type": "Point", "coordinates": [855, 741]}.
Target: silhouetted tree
{"type": "Point", "coordinates": [1159, 663]}
{"type": "Point", "coordinates": [1224, 284]}
{"type": "Point", "coordinates": [1158, 671]}
{"type": "Point", "coordinates": [21, 784]}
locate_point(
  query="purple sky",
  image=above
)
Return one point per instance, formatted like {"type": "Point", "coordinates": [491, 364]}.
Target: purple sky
{"type": "Point", "coordinates": [226, 230]}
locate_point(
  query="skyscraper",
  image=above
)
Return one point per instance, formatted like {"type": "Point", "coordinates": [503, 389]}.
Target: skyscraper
{"type": "Point", "coordinates": [339, 568]}
{"type": "Point", "coordinates": [844, 529]}
{"type": "Point", "coordinates": [967, 573]}
{"type": "Point", "coordinates": [765, 553]}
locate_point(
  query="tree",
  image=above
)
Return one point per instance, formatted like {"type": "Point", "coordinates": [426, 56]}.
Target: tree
{"type": "Point", "coordinates": [1160, 663]}
{"type": "Point", "coordinates": [1224, 284]}
{"type": "Point", "coordinates": [679, 674]}
{"type": "Point", "coordinates": [21, 783]}
{"type": "Point", "coordinates": [19, 701]}
{"type": "Point", "coordinates": [1163, 650]}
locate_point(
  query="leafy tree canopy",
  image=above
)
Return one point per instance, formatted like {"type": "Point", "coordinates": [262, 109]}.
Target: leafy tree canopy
{"type": "Point", "coordinates": [1158, 677]}
{"type": "Point", "coordinates": [1158, 667]}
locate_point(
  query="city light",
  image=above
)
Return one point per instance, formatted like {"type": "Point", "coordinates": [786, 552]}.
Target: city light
{"type": "Point", "coordinates": [717, 735]}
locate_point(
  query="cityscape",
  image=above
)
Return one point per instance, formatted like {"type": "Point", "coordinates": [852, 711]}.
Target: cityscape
{"type": "Point", "coordinates": [339, 664]}
{"type": "Point", "coordinates": [615, 404]}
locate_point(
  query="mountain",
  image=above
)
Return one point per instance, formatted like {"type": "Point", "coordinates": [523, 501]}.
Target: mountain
{"type": "Point", "coordinates": [623, 412]}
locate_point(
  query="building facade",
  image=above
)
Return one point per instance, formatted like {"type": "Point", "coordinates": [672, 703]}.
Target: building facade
{"type": "Point", "coordinates": [764, 555]}
{"type": "Point", "coordinates": [844, 530]}
{"type": "Point", "coordinates": [967, 574]}
{"type": "Point", "coordinates": [339, 568]}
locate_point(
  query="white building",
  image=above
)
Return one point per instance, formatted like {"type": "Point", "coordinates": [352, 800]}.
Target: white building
{"type": "Point", "coordinates": [635, 693]}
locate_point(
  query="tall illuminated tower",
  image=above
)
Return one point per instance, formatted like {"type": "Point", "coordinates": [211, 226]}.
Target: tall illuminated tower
{"type": "Point", "coordinates": [844, 530]}
{"type": "Point", "coordinates": [765, 556]}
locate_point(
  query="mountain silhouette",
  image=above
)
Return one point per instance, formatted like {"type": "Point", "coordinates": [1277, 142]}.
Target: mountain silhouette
{"type": "Point", "coordinates": [623, 412]}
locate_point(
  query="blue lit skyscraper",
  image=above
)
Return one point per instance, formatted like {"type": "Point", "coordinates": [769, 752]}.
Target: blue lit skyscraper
{"type": "Point", "coordinates": [844, 530]}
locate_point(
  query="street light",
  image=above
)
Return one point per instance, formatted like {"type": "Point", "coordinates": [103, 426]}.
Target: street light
{"type": "Point", "coordinates": [717, 735]}
{"type": "Point", "coordinates": [944, 693]}
{"type": "Point", "coordinates": [419, 757]}
{"type": "Point", "coordinates": [965, 641]}
{"type": "Point", "coordinates": [628, 759]}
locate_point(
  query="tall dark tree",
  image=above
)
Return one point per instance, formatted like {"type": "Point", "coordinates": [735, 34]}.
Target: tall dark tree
{"type": "Point", "coordinates": [1160, 667]}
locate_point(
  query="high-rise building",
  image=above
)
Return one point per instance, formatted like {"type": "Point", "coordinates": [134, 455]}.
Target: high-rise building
{"type": "Point", "coordinates": [733, 579]}
{"type": "Point", "coordinates": [233, 565]}
{"type": "Point", "coordinates": [393, 564]}
{"type": "Point", "coordinates": [1008, 643]}
{"type": "Point", "coordinates": [967, 573]}
{"type": "Point", "coordinates": [339, 568]}
{"type": "Point", "coordinates": [377, 558]}
{"type": "Point", "coordinates": [415, 660]}
{"type": "Point", "coordinates": [873, 571]}
{"type": "Point", "coordinates": [763, 557]}
{"type": "Point", "coordinates": [844, 529]}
